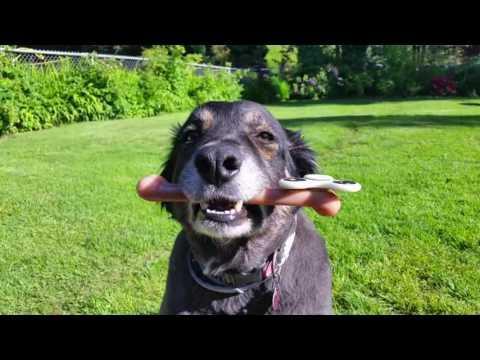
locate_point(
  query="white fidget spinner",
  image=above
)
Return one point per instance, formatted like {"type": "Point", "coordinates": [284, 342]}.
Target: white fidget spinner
{"type": "Point", "coordinates": [317, 181]}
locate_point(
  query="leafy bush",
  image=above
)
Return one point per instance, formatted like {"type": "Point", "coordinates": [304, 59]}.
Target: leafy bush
{"type": "Point", "coordinates": [281, 88]}
{"type": "Point", "coordinates": [386, 71]}
{"type": "Point", "coordinates": [34, 98]}
{"type": "Point", "coordinates": [356, 84]}
{"type": "Point", "coordinates": [167, 79]}
{"type": "Point", "coordinates": [311, 87]}
{"type": "Point", "coordinates": [216, 86]}
{"type": "Point", "coordinates": [385, 87]}
{"type": "Point", "coordinates": [468, 79]}
{"type": "Point", "coordinates": [270, 85]}
{"type": "Point", "coordinates": [258, 86]}
{"type": "Point", "coordinates": [37, 98]}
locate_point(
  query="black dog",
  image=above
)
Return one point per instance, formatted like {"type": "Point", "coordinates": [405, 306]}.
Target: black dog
{"type": "Point", "coordinates": [232, 257]}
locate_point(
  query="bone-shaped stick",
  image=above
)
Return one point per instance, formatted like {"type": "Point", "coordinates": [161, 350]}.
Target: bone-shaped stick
{"type": "Point", "coordinates": [326, 203]}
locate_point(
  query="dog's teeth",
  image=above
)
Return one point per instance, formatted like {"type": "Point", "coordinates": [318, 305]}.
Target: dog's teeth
{"type": "Point", "coordinates": [232, 211]}
{"type": "Point", "coordinates": [238, 206]}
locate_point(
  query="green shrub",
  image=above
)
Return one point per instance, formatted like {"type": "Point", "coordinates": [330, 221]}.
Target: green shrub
{"type": "Point", "coordinates": [385, 87]}
{"type": "Point", "coordinates": [166, 79]}
{"type": "Point", "coordinates": [34, 98]}
{"type": "Point", "coordinates": [259, 88]}
{"type": "Point", "coordinates": [38, 98]}
{"type": "Point", "coordinates": [171, 84]}
{"type": "Point", "coordinates": [390, 70]}
{"type": "Point", "coordinates": [214, 86]}
{"type": "Point", "coordinates": [281, 88]}
{"type": "Point", "coordinates": [468, 79]}
{"type": "Point", "coordinates": [311, 87]}
{"type": "Point", "coordinates": [265, 88]}
{"type": "Point", "coordinates": [398, 67]}
{"type": "Point", "coordinates": [357, 84]}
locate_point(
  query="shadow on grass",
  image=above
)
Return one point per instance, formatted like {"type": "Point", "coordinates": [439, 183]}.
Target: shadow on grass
{"type": "Point", "coordinates": [357, 101]}
{"type": "Point", "coordinates": [356, 121]}
{"type": "Point", "coordinates": [470, 104]}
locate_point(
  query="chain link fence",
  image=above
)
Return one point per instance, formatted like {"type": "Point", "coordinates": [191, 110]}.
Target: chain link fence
{"type": "Point", "coordinates": [43, 57]}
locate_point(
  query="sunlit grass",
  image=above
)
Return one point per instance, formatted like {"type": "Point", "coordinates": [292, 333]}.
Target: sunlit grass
{"type": "Point", "coordinates": [75, 238]}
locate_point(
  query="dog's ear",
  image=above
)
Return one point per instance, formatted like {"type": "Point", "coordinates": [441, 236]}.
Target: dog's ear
{"type": "Point", "coordinates": [167, 167]}
{"type": "Point", "coordinates": [302, 156]}
{"type": "Point", "coordinates": [169, 164]}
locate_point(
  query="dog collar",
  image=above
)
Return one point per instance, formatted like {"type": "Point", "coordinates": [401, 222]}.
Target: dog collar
{"type": "Point", "coordinates": [227, 283]}
{"type": "Point", "coordinates": [239, 283]}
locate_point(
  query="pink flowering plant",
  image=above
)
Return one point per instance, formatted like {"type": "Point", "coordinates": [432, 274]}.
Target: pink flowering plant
{"type": "Point", "coordinates": [444, 85]}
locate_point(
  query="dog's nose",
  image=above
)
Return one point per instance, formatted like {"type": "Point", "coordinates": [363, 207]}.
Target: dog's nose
{"type": "Point", "coordinates": [218, 166]}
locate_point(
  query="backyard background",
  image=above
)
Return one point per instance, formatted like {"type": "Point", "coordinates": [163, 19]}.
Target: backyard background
{"type": "Point", "coordinates": [404, 121]}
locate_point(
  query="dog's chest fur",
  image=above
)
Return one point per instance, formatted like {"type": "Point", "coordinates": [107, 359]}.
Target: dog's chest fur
{"type": "Point", "coordinates": [305, 282]}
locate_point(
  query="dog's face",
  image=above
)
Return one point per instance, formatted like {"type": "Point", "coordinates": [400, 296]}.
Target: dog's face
{"type": "Point", "coordinates": [224, 155]}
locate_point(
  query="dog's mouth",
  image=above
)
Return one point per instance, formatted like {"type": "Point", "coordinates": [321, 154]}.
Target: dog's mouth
{"type": "Point", "coordinates": [221, 210]}
{"type": "Point", "coordinates": [225, 218]}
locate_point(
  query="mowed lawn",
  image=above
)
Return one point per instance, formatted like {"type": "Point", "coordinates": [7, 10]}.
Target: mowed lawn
{"type": "Point", "coordinates": [76, 239]}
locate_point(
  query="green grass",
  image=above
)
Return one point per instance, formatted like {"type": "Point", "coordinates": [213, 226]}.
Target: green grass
{"type": "Point", "coordinates": [75, 238]}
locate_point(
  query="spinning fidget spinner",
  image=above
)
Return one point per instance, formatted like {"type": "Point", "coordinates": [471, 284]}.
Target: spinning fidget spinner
{"type": "Point", "coordinates": [317, 181]}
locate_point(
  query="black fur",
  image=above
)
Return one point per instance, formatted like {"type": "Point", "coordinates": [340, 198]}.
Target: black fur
{"type": "Point", "coordinates": [169, 163]}
{"type": "Point", "coordinates": [303, 156]}
{"type": "Point", "coordinates": [305, 282]}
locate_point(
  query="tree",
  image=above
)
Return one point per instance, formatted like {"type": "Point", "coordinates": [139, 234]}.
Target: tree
{"type": "Point", "coordinates": [312, 58]}
{"type": "Point", "coordinates": [282, 59]}
{"type": "Point", "coordinates": [355, 57]}
{"type": "Point", "coordinates": [245, 56]}
{"type": "Point", "coordinates": [470, 51]}
{"type": "Point", "coordinates": [196, 49]}
{"type": "Point", "coordinates": [219, 55]}
{"type": "Point", "coordinates": [273, 58]}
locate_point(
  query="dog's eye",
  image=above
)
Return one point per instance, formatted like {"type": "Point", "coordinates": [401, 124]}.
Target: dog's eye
{"type": "Point", "coordinates": [266, 136]}
{"type": "Point", "coordinates": [190, 136]}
